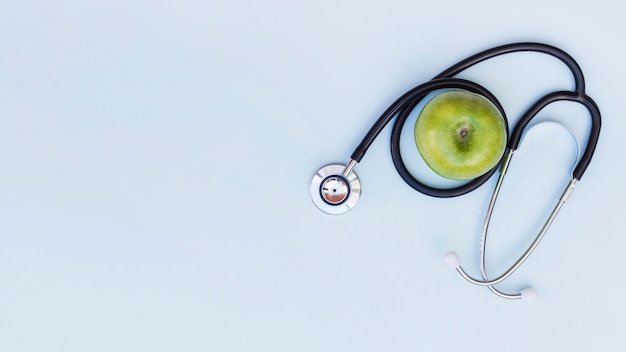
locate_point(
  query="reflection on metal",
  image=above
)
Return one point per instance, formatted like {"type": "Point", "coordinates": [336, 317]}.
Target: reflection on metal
{"type": "Point", "coordinates": [332, 191]}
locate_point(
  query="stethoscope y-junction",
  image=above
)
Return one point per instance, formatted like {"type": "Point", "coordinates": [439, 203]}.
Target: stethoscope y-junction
{"type": "Point", "coordinates": [335, 188]}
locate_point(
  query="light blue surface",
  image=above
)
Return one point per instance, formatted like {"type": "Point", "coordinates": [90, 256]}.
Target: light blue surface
{"type": "Point", "coordinates": [156, 158]}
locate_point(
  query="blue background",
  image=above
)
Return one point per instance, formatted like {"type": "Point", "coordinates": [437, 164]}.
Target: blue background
{"type": "Point", "coordinates": [156, 158]}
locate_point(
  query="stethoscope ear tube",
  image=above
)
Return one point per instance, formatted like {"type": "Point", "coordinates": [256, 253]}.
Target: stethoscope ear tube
{"type": "Point", "coordinates": [578, 97]}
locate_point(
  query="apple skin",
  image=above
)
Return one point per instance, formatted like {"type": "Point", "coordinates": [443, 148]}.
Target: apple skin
{"type": "Point", "coordinates": [461, 135]}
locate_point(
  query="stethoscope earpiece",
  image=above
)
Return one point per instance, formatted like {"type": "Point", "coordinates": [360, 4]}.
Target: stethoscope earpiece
{"type": "Point", "coordinates": [335, 188]}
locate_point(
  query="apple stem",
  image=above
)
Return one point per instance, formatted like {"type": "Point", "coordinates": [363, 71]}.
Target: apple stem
{"type": "Point", "coordinates": [464, 131]}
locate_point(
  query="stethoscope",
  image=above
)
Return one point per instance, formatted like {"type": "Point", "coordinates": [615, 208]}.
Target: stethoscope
{"type": "Point", "coordinates": [335, 188]}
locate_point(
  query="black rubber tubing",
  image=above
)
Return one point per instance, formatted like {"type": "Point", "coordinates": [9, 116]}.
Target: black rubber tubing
{"type": "Point", "coordinates": [404, 105]}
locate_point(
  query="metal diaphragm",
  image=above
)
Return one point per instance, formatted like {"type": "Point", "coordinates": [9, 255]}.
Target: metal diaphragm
{"type": "Point", "coordinates": [333, 192]}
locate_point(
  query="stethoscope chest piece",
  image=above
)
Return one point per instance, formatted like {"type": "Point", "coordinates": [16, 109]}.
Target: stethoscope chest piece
{"type": "Point", "coordinates": [332, 191]}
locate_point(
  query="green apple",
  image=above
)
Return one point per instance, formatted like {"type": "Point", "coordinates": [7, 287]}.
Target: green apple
{"type": "Point", "coordinates": [460, 135]}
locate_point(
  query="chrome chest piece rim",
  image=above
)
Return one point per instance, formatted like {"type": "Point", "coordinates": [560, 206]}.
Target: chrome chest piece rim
{"type": "Point", "coordinates": [335, 193]}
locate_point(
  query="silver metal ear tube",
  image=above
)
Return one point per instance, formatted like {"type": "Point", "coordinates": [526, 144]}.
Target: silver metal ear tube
{"type": "Point", "coordinates": [483, 240]}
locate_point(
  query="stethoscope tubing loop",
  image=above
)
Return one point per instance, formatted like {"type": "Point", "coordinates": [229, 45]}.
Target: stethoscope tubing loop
{"type": "Point", "coordinates": [435, 84]}
{"type": "Point", "coordinates": [401, 108]}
